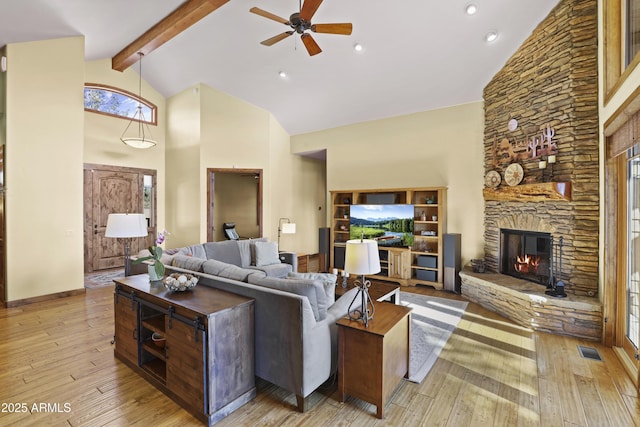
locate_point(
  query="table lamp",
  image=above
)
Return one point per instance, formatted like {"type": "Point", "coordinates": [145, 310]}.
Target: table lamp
{"type": "Point", "coordinates": [126, 226]}
{"type": "Point", "coordinates": [362, 258]}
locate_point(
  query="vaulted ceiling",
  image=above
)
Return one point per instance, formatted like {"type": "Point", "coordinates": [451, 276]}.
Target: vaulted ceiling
{"type": "Point", "coordinates": [417, 54]}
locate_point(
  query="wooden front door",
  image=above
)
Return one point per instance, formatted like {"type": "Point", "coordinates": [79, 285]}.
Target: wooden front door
{"type": "Point", "coordinates": [112, 190]}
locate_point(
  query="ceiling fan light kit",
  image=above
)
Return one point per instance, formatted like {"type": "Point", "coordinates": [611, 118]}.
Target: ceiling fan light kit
{"type": "Point", "coordinates": [300, 22]}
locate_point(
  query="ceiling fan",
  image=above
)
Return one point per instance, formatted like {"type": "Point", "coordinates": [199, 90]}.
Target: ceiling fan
{"type": "Point", "coordinates": [300, 22]}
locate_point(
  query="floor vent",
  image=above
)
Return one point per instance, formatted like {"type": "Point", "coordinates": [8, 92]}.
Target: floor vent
{"type": "Point", "coordinates": [589, 353]}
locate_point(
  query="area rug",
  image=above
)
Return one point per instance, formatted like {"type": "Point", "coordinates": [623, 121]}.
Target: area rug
{"type": "Point", "coordinates": [433, 320]}
{"type": "Point", "coordinates": [102, 277]}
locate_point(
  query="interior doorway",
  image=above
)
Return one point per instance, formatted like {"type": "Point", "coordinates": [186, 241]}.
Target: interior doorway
{"type": "Point", "coordinates": [234, 195]}
{"type": "Point", "coordinates": [114, 189]}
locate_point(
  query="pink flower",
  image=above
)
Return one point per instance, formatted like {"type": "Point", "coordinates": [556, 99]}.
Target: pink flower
{"type": "Point", "coordinates": [161, 237]}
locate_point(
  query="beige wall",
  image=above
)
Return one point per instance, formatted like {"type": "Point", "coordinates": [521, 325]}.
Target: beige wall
{"type": "Point", "coordinates": [183, 169]}
{"type": "Point", "coordinates": [214, 130]}
{"type": "Point", "coordinates": [433, 148]}
{"type": "Point", "coordinates": [45, 127]}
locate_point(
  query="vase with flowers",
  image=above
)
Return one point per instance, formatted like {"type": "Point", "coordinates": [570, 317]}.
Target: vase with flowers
{"type": "Point", "coordinates": [156, 270]}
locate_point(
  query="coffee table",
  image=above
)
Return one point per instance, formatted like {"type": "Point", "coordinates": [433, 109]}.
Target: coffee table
{"type": "Point", "coordinates": [379, 291]}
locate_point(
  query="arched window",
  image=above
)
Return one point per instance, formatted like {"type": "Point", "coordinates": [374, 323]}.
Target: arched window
{"type": "Point", "coordinates": [116, 102]}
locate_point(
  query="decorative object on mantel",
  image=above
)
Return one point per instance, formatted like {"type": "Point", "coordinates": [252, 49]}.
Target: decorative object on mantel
{"type": "Point", "coordinates": [513, 174]}
{"type": "Point", "coordinates": [543, 164]}
{"type": "Point", "coordinates": [530, 147]}
{"type": "Point", "coordinates": [180, 282]}
{"type": "Point", "coordinates": [536, 192]}
{"type": "Point", "coordinates": [512, 125]}
{"type": "Point", "coordinates": [556, 285]}
{"type": "Point", "coordinates": [492, 179]}
{"type": "Point", "coordinates": [156, 270]}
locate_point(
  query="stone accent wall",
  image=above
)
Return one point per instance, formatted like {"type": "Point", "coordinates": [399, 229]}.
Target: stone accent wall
{"type": "Point", "coordinates": [552, 80]}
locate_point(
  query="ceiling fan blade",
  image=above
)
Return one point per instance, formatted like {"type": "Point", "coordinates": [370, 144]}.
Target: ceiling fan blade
{"type": "Point", "coordinates": [309, 8]}
{"type": "Point", "coordinates": [310, 44]}
{"type": "Point", "coordinates": [333, 28]}
{"type": "Point", "coordinates": [268, 15]}
{"type": "Point", "coordinates": [275, 39]}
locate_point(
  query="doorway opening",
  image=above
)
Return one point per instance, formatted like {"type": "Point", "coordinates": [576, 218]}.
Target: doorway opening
{"type": "Point", "coordinates": [234, 196]}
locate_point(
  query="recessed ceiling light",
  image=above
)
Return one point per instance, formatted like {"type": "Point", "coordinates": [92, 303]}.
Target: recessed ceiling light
{"type": "Point", "coordinates": [471, 9]}
{"type": "Point", "coordinates": [358, 47]}
{"type": "Point", "coordinates": [491, 36]}
{"type": "Point", "coordinates": [282, 74]}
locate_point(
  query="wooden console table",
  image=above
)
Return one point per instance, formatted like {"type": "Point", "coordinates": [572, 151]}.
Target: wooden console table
{"type": "Point", "coordinates": [373, 361]}
{"type": "Point", "coordinates": [206, 363]}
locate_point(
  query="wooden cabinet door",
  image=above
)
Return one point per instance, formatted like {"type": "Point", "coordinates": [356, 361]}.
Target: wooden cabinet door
{"type": "Point", "coordinates": [399, 263]}
{"type": "Point", "coordinates": [185, 363]}
{"type": "Point", "coordinates": [126, 328]}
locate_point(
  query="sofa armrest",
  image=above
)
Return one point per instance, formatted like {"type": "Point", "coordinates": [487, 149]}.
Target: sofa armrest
{"type": "Point", "coordinates": [338, 310]}
{"type": "Point", "coordinates": [289, 258]}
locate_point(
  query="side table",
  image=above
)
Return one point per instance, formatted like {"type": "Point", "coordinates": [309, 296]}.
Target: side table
{"type": "Point", "coordinates": [373, 361]}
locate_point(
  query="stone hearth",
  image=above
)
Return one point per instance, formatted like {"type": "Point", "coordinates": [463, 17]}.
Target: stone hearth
{"type": "Point", "coordinates": [526, 304]}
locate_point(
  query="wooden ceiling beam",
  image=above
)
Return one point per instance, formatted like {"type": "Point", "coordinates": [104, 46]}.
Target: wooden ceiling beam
{"type": "Point", "coordinates": [187, 14]}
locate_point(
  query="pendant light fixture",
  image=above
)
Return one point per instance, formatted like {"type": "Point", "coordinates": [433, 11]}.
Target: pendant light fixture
{"type": "Point", "coordinates": [143, 138]}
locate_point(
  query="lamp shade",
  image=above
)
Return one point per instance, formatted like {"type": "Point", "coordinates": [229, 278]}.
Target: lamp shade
{"type": "Point", "coordinates": [126, 225]}
{"type": "Point", "coordinates": [289, 228]}
{"type": "Point", "coordinates": [362, 257]}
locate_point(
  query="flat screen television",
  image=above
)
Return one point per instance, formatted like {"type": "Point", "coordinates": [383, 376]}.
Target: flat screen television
{"type": "Point", "coordinates": [389, 225]}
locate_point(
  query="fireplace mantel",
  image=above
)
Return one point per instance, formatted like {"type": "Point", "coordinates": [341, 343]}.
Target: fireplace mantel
{"type": "Point", "coordinates": [537, 192]}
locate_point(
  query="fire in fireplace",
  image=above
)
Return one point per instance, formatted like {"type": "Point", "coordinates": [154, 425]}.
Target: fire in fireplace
{"type": "Point", "coordinates": [525, 255]}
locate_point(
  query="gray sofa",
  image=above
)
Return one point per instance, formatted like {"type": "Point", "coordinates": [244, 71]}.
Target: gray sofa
{"type": "Point", "coordinates": [241, 253]}
{"type": "Point", "coordinates": [295, 316]}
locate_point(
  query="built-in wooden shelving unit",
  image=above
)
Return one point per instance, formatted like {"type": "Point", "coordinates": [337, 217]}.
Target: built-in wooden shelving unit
{"type": "Point", "coordinates": [418, 263]}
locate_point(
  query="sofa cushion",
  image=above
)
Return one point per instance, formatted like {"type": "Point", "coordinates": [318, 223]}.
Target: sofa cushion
{"type": "Point", "coordinates": [312, 289]}
{"type": "Point", "coordinates": [225, 251]}
{"type": "Point", "coordinates": [229, 271]}
{"type": "Point", "coordinates": [266, 253]}
{"type": "Point", "coordinates": [274, 270]}
{"type": "Point", "coordinates": [194, 251]}
{"type": "Point", "coordinates": [328, 281]}
{"type": "Point", "coordinates": [244, 246]}
{"type": "Point", "coordinates": [188, 262]}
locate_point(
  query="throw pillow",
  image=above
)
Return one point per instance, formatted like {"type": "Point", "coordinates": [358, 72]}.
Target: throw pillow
{"type": "Point", "coordinates": [266, 253]}
{"type": "Point", "coordinates": [328, 280]}
{"type": "Point", "coordinates": [252, 248]}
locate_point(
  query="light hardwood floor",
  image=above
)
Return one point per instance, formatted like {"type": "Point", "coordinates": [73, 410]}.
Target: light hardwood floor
{"type": "Point", "coordinates": [56, 362]}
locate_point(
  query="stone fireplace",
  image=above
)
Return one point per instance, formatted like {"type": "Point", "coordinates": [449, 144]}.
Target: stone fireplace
{"type": "Point", "coordinates": [541, 113]}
